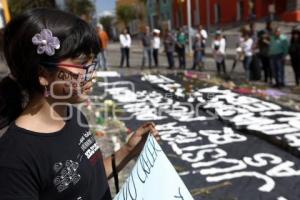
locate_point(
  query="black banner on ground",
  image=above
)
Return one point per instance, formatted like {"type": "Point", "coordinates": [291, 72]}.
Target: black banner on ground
{"type": "Point", "coordinates": [206, 136]}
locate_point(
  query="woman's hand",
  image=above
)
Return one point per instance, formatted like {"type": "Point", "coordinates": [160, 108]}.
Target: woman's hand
{"type": "Point", "coordinates": [137, 140]}
{"type": "Point", "coordinates": [131, 149]}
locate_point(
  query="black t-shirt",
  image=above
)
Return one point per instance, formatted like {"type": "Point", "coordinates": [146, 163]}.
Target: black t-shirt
{"type": "Point", "coordinates": [66, 165]}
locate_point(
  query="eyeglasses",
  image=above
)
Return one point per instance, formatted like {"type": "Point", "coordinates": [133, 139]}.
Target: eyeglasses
{"type": "Point", "coordinates": [89, 69]}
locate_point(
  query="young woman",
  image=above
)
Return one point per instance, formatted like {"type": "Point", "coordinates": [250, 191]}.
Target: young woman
{"type": "Point", "coordinates": [156, 46]}
{"type": "Point", "coordinates": [47, 153]}
{"type": "Point", "coordinates": [180, 48]}
{"type": "Point", "coordinates": [125, 41]}
{"type": "Point", "coordinates": [247, 47]}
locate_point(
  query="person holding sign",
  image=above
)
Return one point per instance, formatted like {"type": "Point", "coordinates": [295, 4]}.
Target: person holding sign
{"type": "Point", "coordinates": [48, 151]}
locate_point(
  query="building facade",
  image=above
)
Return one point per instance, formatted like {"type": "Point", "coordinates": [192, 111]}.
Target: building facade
{"type": "Point", "coordinates": [293, 11]}
{"type": "Point", "coordinates": [135, 25]}
{"type": "Point", "coordinates": [152, 11]}
{"type": "Point", "coordinates": [221, 12]}
{"type": "Point", "coordinates": [159, 13]}
{"type": "Point", "coordinates": [166, 13]}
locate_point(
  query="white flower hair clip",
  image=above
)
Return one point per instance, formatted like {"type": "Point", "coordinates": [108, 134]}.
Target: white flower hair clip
{"type": "Point", "coordinates": [46, 42]}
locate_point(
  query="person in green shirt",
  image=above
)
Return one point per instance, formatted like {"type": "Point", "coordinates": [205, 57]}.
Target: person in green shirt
{"type": "Point", "coordinates": [180, 48]}
{"type": "Point", "coordinates": [279, 48]}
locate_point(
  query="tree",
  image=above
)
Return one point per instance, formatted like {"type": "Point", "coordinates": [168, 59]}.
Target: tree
{"type": "Point", "coordinates": [82, 8]}
{"type": "Point", "coordinates": [141, 10]}
{"type": "Point", "coordinates": [142, 1]}
{"type": "Point", "coordinates": [106, 22]}
{"type": "Point", "coordinates": [158, 12]}
{"type": "Point", "coordinates": [125, 14]}
{"type": "Point", "coordinates": [19, 6]}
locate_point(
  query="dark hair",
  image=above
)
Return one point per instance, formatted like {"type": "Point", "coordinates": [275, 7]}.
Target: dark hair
{"type": "Point", "coordinates": [295, 31]}
{"type": "Point", "coordinates": [76, 38]}
{"type": "Point", "coordinates": [269, 25]}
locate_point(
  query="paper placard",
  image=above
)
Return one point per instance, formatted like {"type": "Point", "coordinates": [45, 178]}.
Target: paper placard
{"type": "Point", "coordinates": [153, 177]}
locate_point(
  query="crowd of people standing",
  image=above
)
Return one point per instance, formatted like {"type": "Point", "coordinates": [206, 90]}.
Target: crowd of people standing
{"type": "Point", "coordinates": [266, 51]}
{"type": "Point", "coordinates": [261, 52]}
{"type": "Point", "coordinates": [173, 43]}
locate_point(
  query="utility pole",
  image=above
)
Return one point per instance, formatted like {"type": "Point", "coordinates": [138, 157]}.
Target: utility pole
{"type": "Point", "coordinates": [95, 15]}
{"type": "Point", "coordinates": [189, 21]}
{"type": "Point", "coordinates": [208, 14]}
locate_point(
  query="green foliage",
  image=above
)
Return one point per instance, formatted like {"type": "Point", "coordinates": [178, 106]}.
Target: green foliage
{"type": "Point", "coordinates": [125, 14]}
{"type": "Point", "coordinates": [141, 10]}
{"type": "Point", "coordinates": [106, 22]}
{"type": "Point", "coordinates": [81, 7]}
{"type": "Point", "coordinates": [77, 7]}
{"type": "Point", "coordinates": [142, 1]}
{"type": "Point", "coordinates": [19, 6]}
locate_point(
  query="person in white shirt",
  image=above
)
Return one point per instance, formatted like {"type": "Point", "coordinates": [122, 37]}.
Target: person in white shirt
{"type": "Point", "coordinates": [219, 52]}
{"type": "Point", "coordinates": [156, 46]}
{"type": "Point", "coordinates": [247, 47]}
{"type": "Point", "coordinates": [204, 36]}
{"type": "Point", "coordinates": [125, 41]}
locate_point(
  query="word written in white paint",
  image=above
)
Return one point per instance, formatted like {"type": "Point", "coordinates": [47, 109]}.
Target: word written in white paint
{"type": "Point", "coordinates": [244, 112]}
{"type": "Point", "coordinates": [147, 106]}
{"type": "Point", "coordinates": [210, 158]}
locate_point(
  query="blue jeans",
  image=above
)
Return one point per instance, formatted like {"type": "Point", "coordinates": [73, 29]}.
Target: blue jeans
{"type": "Point", "coordinates": [277, 63]}
{"type": "Point", "coordinates": [198, 56]}
{"type": "Point", "coordinates": [181, 57]}
{"type": "Point", "coordinates": [125, 54]}
{"type": "Point", "coordinates": [102, 59]}
{"type": "Point", "coordinates": [170, 57]}
{"type": "Point", "coordinates": [147, 54]}
{"type": "Point", "coordinates": [247, 66]}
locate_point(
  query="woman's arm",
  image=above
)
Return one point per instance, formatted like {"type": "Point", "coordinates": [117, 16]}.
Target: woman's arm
{"type": "Point", "coordinates": [121, 39]}
{"type": "Point", "coordinates": [131, 149]}
{"type": "Point", "coordinates": [129, 40]}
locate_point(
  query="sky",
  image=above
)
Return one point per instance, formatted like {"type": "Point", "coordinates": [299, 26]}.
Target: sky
{"type": "Point", "coordinates": [104, 6]}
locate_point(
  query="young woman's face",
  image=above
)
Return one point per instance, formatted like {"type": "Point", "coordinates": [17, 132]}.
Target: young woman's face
{"type": "Point", "coordinates": [73, 80]}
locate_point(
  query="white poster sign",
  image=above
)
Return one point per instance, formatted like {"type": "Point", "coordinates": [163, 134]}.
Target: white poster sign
{"type": "Point", "coordinates": [153, 177]}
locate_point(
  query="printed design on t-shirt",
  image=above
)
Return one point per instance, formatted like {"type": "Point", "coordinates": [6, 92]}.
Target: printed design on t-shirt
{"type": "Point", "coordinates": [67, 173]}
{"type": "Point", "coordinates": [90, 147]}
